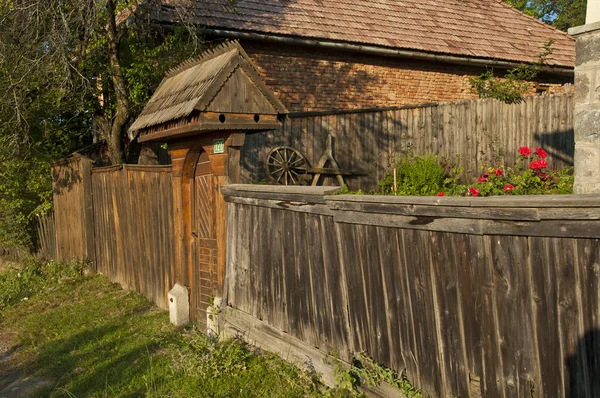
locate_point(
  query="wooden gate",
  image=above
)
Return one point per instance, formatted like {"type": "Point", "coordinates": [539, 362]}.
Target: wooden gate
{"type": "Point", "coordinates": [204, 244]}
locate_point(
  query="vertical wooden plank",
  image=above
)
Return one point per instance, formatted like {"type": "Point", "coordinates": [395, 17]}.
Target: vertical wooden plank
{"type": "Point", "coordinates": [88, 215]}
{"type": "Point", "coordinates": [491, 348]}
{"type": "Point", "coordinates": [304, 277]}
{"type": "Point", "coordinates": [336, 300]}
{"type": "Point", "coordinates": [447, 300]}
{"type": "Point", "coordinates": [586, 359]}
{"type": "Point", "coordinates": [568, 287]}
{"type": "Point", "coordinates": [423, 309]}
{"type": "Point", "coordinates": [275, 266]}
{"type": "Point", "coordinates": [357, 311]}
{"type": "Point", "coordinates": [255, 243]}
{"type": "Point", "coordinates": [515, 319]}
{"type": "Point", "coordinates": [321, 311]}
{"type": "Point", "coordinates": [395, 300]}
{"type": "Point", "coordinates": [378, 336]}
{"type": "Point", "coordinates": [543, 279]}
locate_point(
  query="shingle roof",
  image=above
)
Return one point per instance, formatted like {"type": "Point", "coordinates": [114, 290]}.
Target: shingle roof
{"type": "Point", "coordinates": [470, 28]}
{"type": "Point", "coordinates": [195, 84]}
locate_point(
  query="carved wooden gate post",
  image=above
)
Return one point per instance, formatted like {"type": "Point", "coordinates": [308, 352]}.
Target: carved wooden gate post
{"type": "Point", "coordinates": [202, 110]}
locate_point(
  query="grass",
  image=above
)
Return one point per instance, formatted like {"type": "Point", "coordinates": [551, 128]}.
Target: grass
{"type": "Point", "coordinates": [93, 339]}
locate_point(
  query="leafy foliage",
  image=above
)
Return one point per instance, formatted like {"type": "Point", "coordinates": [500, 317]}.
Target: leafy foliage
{"type": "Point", "coordinates": [68, 73]}
{"type": "Point", "coordinates": [515, 83]}
{"type": "Point", "coordinates": [364, 371]}
{"type": "Point", "coordinates": [423, 176]}
{"type": "Point", "coordinates": [562, 14]}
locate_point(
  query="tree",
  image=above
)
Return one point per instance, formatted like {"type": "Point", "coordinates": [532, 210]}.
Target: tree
{"type": "Point", "coordinates": [563, 14]}
{"type": "Point", "coordinates": [71, 69]}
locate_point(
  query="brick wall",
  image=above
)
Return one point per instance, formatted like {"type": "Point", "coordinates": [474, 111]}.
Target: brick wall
{"type": "Point", "coordinates": [305, 78]}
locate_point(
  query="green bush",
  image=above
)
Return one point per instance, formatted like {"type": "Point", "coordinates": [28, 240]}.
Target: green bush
{"type": "Point", "coordinates": [32, 276]}
{"type": "Point", "coordinates": [423, 176]}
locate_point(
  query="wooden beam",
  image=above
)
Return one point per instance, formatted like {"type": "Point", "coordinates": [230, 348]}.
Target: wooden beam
{"type": "Point", "coordinates": [236, 323]}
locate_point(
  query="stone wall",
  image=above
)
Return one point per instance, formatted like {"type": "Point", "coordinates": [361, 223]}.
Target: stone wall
{"type": "Point", "coordinates": [587, 109]}
{"type": "Point", "coordinates": [307, 79]}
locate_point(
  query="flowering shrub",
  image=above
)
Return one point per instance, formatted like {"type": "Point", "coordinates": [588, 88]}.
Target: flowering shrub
{"type": "Point", "coordinates": [529, 176]}
{"type": "Point", "coordinates": [429, 175]}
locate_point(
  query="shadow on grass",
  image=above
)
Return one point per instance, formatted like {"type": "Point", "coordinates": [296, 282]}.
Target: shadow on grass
{"type": "Point", "coordinates": [104, 344]}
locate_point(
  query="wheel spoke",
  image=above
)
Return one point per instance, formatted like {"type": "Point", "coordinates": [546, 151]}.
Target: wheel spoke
{"type": "Point", "coordinates": [278, 153]}
{"type": "Point", "coordinates": [296, 161]}
{"type": "Point", "coordinates": [293, 173]}
{"type": "Point", "coordinates": [292, 178]}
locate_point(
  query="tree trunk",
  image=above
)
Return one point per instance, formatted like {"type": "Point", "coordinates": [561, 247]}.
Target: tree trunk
{"type": "Point", "coordinates": [122, 114]}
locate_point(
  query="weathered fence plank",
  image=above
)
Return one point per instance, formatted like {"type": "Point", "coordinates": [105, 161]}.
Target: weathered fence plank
{"type": "Point", "coordinates": [133, 228]}
{"type": "Point", "coordinates": [371, 141]}
{"type": "Point", "coordinates": [465, 314]}
{"type": "Point", "coordinates": [45, 236]}
{"type": "Point", "coordinates": [71, 183]}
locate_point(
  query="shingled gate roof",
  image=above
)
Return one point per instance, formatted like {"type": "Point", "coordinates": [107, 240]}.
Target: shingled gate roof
{"type": "Point", "coordinates": [488, 29]}
{"type": "Point", "coordinates": [195, 85]}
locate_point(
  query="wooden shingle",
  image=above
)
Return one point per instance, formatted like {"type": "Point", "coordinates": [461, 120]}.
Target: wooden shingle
{"type": "Point", "coordinates": [220, 90]}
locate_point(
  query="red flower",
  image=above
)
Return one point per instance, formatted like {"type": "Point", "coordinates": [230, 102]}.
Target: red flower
{"type": "Point", "coordinates": [440, 194]}
{"type": "Point", "coordinates": [473, 192]}
{"type": "Point", "coordinates": [543, 176]}
{"type": "Point", "coordinates": [498, 172]}
{"type": "Point", "coordinates": [482, 179]}
{"type": "Point", "coordinates": [486, 175]}
{"type": "Point", "coordinates": [541, 153]}
{"type": "Point", "coordinates": [538, 164]}
{"type": "Point", "coordinates": [508, 187]}
{"type": "Point", "coordinates": [525, 151]}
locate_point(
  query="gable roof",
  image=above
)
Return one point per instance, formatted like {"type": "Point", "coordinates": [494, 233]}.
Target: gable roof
{"type": "Point", "coordinates": [203, 84]}
{"type": "Point", "coordinates": [488, 29]}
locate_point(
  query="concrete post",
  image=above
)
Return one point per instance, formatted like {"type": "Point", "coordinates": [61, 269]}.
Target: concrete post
{"type": "Point", "coordinates": [587, 102]}
{"type": "Point", "coordinates": [179, 305]}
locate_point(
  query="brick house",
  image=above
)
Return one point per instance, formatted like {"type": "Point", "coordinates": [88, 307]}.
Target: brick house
{"type": "Point", "coordinates": [347, 54]}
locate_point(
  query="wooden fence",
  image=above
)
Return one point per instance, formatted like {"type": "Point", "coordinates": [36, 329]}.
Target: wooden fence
{"type": "Point", "coordinates": [71, 182]}
{"type": "Point", "coordinates": [45, 237]}
{"type": "Point", "coordinates": [371, 141]}
{"type": "Point", "coordinates": [133, 228]}
{"type": "Point", "coordinates": [119, 219]}
{"type": "Point", "coordinates": [496, 297]}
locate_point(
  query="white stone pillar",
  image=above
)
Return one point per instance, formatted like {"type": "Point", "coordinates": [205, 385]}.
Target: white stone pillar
{"type": "Point", "coordinates": [587, 102]}
{"type": "Point", "coordinates": [593, 12]}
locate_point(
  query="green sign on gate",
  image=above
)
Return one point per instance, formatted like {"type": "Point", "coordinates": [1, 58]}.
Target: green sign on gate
{"type": "Point", "coordinates": [219, 146]}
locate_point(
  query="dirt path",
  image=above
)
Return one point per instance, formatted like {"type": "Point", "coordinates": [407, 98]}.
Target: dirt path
{"type": "Point", "coordinates": [13, 383]}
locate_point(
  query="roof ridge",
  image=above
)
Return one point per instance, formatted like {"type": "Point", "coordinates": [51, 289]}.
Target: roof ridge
{"type": "Point", "coordinates": [205, 56]}
{"type": "Point", "coordinates": [535, 19]}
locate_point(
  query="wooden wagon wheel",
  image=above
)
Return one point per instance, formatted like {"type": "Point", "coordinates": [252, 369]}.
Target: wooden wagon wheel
{"type": "Point", "coordinates": [286, 165]}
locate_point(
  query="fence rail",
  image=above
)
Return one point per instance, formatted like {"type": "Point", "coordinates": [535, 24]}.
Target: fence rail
{"type": "Point", "coordinates": [472, 296]}
{"type": "Point", "coordinates": [371, 141]}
